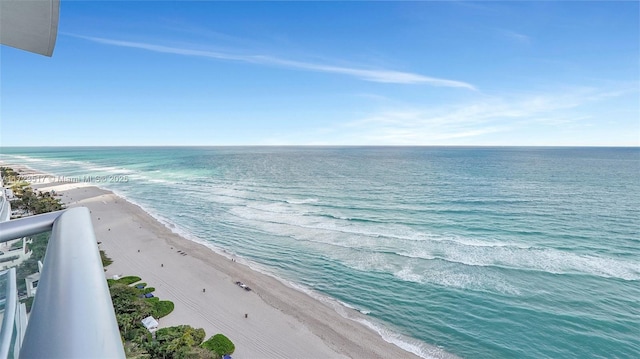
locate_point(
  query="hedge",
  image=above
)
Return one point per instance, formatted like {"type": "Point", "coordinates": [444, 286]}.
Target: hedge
{"type": "Point", "coordinates": [129, 279]}
{"type": "Point", "coordinates": [219, 345]}
{"type": "Point", "coordinates": [162, 308]}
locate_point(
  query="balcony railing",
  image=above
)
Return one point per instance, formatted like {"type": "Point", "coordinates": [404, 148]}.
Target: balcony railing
{"type": "Point", "coordinates": [5, 208]}
{"type": "Point", "coordinates": [72, 315]}
{"type": "Point", "coordinates": [10, 339]}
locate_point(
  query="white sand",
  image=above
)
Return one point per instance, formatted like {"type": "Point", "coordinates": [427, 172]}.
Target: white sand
{"type": "Point", "coordinates": [282, 322]}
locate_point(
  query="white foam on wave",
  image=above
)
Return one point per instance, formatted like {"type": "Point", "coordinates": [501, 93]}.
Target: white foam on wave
{"type": "Point", "coordinates": [408, 344]}
{"type": "Point", "coordinates": [158, 180]}
{"type": "Point", "coordinates": [61, 170]}
{"type": "Point", "coordinates": [302, 201]}
{"type": "Point", "coordinates": [273, 209]}
{"type": "Point", "coordinates": [22, 158]}
{"type": "Point", "coordinates": [428, 272]}
{"type": "Point", "coordinates": [302, 217]}
{"type": "Point", "coordinates": [407, 275]}
{"type": "Point", "coordinates": [345, 310]}
{"type": "Point", "coordinates": [347, 305]}
{"type": "Point", "coordinates": [9, 163]}
{"type": "Point", "coordinates": [224, 195]}
{"type": "Point", "coordinates": [283, 219]}
{"type": "Point", "coordinates": [107, 169]}
{"type": "Point", "coordinates": [548, 260]}
{"type": "Point", "coordinates": [469, 280]}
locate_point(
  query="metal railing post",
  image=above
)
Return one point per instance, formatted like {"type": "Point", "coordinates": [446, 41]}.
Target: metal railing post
{"type": "Point", "coordinates": [10, 306]}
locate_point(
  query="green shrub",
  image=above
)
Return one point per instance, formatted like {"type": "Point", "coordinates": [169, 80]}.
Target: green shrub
{"type": "Point", "coordinates": [162, 308]}
{"type": "Point", "coordinates": [129, 279]}
{"type": "Point", "coordinates": [135, 350]}
{"type": "Point", "coordinates": [176, 342]}
{"type": "Point", "coordinates": [148, 290]}
{"type": "Point", "coordinates": [136, 333]}
{"type": "Point", "coordinates": [105, 260]}
{"type": "Point", "coordinates": [184, 333]}
{"type": "Point", "coordinates": [219, 345]}
{"type": "Point", "coordinates": [200, 353]}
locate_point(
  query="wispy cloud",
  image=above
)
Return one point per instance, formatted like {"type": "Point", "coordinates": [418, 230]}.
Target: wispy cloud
{"type": "Point", "coordinates": [516, 36]}
{"type": "Point", "coordinates": [483, 121]}
{"type": "Point", "coordinates": [373, 75]}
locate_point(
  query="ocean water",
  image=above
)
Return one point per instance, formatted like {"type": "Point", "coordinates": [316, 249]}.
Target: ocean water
{"type": "Point", "coordinates": [477, 252]}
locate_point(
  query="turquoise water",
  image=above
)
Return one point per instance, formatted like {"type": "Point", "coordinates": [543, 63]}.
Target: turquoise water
{"type": "Point", "coordinates": [483, 252]}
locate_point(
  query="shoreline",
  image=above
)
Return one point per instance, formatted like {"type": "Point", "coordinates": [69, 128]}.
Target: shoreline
{"type": "Point", "coordinates": [297, 322]}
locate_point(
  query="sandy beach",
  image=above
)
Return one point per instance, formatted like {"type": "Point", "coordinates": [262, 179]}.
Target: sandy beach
{"type": "Point", "coordinates": [281, 322]}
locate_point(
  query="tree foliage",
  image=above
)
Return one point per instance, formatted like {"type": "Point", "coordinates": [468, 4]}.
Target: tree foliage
{"type": "Point", "coordinates": [8, 174]}
{"type": "Point", "coordinates": [38, 248]}
{"type": "Point", "coordinates": [105, 260]}
{"type": "Point", "coordinates": [178, 342]}
{"type": "Point", "coordinates": [129, 309]}
{"type": "Point", "coordinates": [34, 202]}
{"type": "Point", "coordinates": [220, 345]}
{"type": "Point", "coordinates": [28, 199]}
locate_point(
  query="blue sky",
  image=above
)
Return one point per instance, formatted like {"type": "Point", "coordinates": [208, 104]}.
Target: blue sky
{"type": "Point", "coordinates": [329, 73]}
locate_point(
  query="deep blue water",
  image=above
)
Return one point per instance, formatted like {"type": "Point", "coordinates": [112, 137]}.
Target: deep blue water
{"type": "Point", "coordinates": [483, 252]}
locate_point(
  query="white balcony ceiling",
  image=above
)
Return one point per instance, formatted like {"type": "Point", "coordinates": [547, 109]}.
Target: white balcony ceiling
{"type": "Point", "coordinates": [30, 25]}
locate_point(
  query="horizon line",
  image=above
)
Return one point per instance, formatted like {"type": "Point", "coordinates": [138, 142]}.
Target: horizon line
{"type": "Point", "coordinates": [327, 146]}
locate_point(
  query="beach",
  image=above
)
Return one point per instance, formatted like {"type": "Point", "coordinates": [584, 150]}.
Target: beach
{"type": "Point", "coordinates": [273, 320]}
